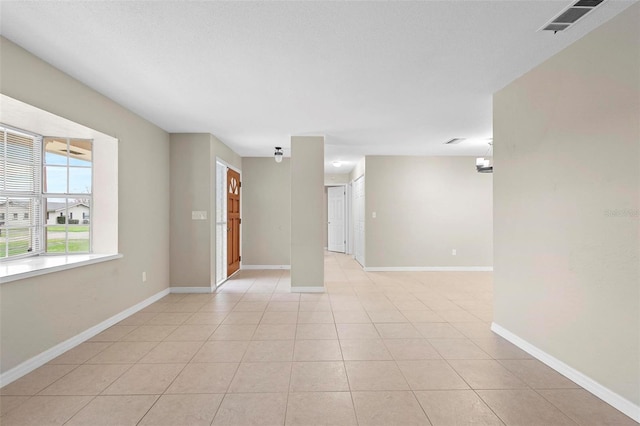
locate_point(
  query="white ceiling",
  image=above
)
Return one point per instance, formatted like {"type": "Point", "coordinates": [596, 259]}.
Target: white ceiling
{"type": "Point", "coordinates": [376, 78]}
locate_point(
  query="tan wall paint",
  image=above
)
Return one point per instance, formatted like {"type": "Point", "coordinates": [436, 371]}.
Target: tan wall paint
{"type": "Point", "coordinates": [425, 207]}
{"type": "Point", "coordinates": [193, 186]}
{"type": "Point", "coordinates": [191, 190]}
{"type": "Point", "coordinates": [567, 155]}
{"type": "Point", "coordinates": [307, 183]}
{"type": "Point", "coordinates": [332, 179]}
{"type": "Point", "coordinates": [266, 211]}
{"type": "Point", "coordinates": [226, 154]}
{"type": "Point", "coordinates": [40, 312]}
{"type": "Point", "coordinates": [358, 170]}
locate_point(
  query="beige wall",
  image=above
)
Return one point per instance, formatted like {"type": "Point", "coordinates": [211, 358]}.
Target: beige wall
{"type": "Point", "coordinates": [425, 207]}
{"type": "Point", "coordinates": [191, 190]}
{"type": "Point", "coordinates": [223, 152]}
{"type": "Point", "coordinates": [332, 179]}
{"type": "Point", "coordinates": [358, 170]}
{"type": "Point", "coordinates": [266, 211]}
{"type": "Point", "coordinates": [566, 191]}
{"type": "Point", "coordinates": [193, 186]}
{"type": "Point", "coordinates": [307, 183]}
{"type": "Point", "coordinates": [40, 312]}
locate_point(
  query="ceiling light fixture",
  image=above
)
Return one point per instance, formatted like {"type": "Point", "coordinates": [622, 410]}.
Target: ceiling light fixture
{"type": "Point", "coordinates": [483, 165]}
{"type": "Point", "coordinates": [336, 163]}
{"type": "Point", "coordinates": [278, 154]}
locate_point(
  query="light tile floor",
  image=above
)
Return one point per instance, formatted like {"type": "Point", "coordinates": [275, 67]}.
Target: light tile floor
{"type": "Point", "coordinates": [375, 349]}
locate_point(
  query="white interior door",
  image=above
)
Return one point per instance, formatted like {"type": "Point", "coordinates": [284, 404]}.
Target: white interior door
{"type": "Point", "coordinates": [358, 220]}
{"type": "Point", "coordinates": [336, 236]}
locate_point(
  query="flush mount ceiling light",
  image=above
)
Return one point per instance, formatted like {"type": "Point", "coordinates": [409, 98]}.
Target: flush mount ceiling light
{"type": "Point", "coordinates": [278, 154]}
{"type": "Point", "coordinates": [483, 165]}
{"type": "Point", "coordinates": [336, 163]}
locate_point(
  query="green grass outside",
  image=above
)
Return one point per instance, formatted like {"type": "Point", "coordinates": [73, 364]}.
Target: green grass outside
{"type": "Point", "coordinates": [15, 248]}
{"type": "Point", "coordinates": [53, 246]}
{"type": "Point", "coordinates": [72, 228]}
{"type": "Point", "coordinates": [58, 246]}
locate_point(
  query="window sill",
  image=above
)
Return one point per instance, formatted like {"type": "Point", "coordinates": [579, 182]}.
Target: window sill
{"type": "Point", "coordinates": [39, 265]}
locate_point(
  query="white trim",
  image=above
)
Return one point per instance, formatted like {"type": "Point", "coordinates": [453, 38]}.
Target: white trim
{"type": "Point", "coordinates": [265, 267]}
{"type": "Point", "coordinates": [19, 269]}
{"type": "Point", "coordinates": [302, 289]}
{"type": "Point", "coordinates": [607, 395]}
{"type": "Point", "coordinates": [42, 358]}
{"type": "Point", "coordinates": [428, 269]}
{"type": "Point", "coordinates": [192, 289]}
{"type": "Point", "coordinates": [226, 164]}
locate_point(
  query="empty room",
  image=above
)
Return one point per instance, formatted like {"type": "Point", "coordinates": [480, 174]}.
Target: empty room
{"type": "Point", "coordinates": [320, 213]}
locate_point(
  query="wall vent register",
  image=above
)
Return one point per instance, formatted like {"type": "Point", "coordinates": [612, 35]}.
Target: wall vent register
{"type": "Point", "coordinates": [570, 15]}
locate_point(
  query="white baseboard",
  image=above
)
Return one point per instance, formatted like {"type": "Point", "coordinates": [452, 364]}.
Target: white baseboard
{"type": "Point", "coordinates": [42, 358]}
{"type": "Point", "coordinates": [302, 289]}
{"type": "Point", "coordinates": [192, 289]}
{"type": "Point", "coordinates": [266, 267]}
{"type": "Point", "coordinates": [428, 269]}
{"type": "Point", "coordinates": [607, 395]}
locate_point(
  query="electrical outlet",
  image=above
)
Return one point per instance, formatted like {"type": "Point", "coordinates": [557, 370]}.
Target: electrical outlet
{"type": "Point", "coordinates": [454, 252]}
{"type": "Point", "coordinates": [144, 277]}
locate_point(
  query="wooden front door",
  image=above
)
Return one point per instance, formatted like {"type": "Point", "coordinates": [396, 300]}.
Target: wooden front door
{"type": "Point", "coordinates": [233, 221]}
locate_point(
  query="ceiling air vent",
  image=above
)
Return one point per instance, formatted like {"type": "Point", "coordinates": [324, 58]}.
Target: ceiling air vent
{"type": "Point", "coordinates": [454, 141]}
{"type": "Point", "coordinates": [570, 15]}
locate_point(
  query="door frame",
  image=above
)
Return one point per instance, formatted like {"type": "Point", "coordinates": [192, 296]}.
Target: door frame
{"type": "Point", "coordinates": [346, 188]}
{"type": "Point", "coordinates": [353, 220]}
{"type": "Point", "coordinates": [214, 247]}
{"type": "Point", "coordinates": [349, 218]}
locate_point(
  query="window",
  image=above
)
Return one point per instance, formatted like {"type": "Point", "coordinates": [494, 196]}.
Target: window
{"type": "Point", "coordinates": [67, 188]}
{"type": "Point", "coordinates": [39, 176]}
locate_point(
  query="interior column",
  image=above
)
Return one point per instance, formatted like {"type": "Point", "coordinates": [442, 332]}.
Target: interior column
{"type": "Point", "coordinates": [307, 186]}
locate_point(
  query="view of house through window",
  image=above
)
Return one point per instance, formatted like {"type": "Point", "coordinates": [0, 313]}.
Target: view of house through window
{"type": "Point", "coordinates": [45, 194]}
{"type": "Point", "coordinates": [67, 185]}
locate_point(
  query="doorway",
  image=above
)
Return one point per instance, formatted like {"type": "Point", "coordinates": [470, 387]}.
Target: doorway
{"type": "Point", "coordinates": [336, 215]}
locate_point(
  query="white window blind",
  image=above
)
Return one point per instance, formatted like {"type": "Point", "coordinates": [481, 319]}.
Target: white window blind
{"type": "Point", "coordinates": [20, 193]}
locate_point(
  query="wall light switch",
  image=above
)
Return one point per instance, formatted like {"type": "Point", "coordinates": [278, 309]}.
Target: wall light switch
{"type": "Point", "coordinates": [373, 215]}
{"type": "Point", "coordinates": [454, 252]}
{"type": "Point", "coordinates": [198, 215]}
